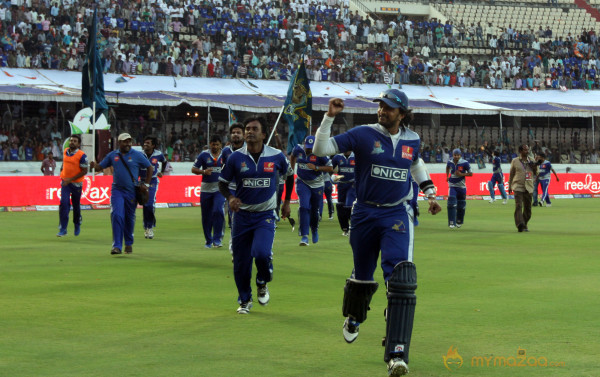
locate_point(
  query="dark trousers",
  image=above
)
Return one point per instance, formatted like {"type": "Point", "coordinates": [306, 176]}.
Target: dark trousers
{"type": "Point", "coordinates": [522, 208]}
{"type": "Point", "coordinates": [69, 194]}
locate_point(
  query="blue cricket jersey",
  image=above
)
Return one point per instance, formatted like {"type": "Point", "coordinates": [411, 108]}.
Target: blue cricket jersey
{"type": "Point", "coordinates": [462, 166]}
{"type": "Point", "coordinates": [225, 153]}
{"type": "Point", "coordinates": [205, 160]}
{"type": "Point", "coordinates": [256, 182]}
{"type": "Point", "coordinates": [313, 179]}
{"type": "Point", "coordinates": [155, 159]}
{"type": "Point", "coordinates": [345, 166]}
{"type": "Point", "coordinates": [497, 168]}
{"type": "Point", "coordinates": [545, 170]}
{"type": "Point", "coordinates": [135, 160]}
{"type": "Point", "coordinates": [382, 170]}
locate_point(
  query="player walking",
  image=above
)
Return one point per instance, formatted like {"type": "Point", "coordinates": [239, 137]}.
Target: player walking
{"type": "Point", "coordinates": [155, 157]}
{"type": "Point", "coordinates": [72, 174]}
{"type": "Point", "coordinates": [309, 187]}
{"type": "Point", "coordinates": [543, 179]}
{"type": "Point", "coordinates": [497, 178]}
{"type": "Point", "coordinates": [209, 164]}
{"type": "Point", "coordinates": [456, 171]}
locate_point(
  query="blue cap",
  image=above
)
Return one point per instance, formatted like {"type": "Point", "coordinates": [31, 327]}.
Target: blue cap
{"type": "Point", "coordinates": [309, 142]}
{"type": "Point", "coordinates": [457, 151]}
{"type": "Point", "coordinates": [393, 98]}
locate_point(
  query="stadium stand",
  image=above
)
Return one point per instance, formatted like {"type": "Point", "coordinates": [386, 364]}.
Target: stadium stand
{"type": "Point", "coordinates": [527, 45]}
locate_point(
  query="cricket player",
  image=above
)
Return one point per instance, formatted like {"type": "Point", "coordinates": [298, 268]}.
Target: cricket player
{"type": "Point", "coordinates": [387, 156]}
{"type": "Point", "coordinates": [343, 166]}
{"type": "Point", "coordinates": [209, 164]}
{"type": "Point", "coordinates": [497, 178]}
{"type": "Point", "coordinates": [328, 193]}
{"type": "Point", "coordinates": [456, 170]}
{"type": "Point", "coordinates": [309, 187]}
{"type": "Point", "coordinates": [126, 163]}
{"type": "Point", "coordinates": [155, 157]}
{"type": "Point", "coordinates": [236, 138]}
{"type": "Point", "coordinates": [543, 179]}
{"type": "Point", "coordinates": [72, 173]}
{"type": "Point", "coordinates": [255, 169]}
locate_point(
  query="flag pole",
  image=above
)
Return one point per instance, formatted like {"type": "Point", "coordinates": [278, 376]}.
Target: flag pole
{"type": "Point", "coordinates": [208, 126]}
{"type": "Point", "coordinates": [275, 126]}
{"type": "Point", "coordinates": [94, 136]}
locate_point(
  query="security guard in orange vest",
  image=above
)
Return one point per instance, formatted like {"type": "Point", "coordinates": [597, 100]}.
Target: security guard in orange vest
{"type": "Point", "coordinates": [73, 170]}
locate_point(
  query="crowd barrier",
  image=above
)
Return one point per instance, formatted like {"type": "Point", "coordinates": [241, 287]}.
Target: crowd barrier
{"type": "Point", "coordinates": [43, 193]}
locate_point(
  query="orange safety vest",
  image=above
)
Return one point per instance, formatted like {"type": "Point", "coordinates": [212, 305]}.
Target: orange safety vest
{"type": "Point", "coordinates": [71, 166]}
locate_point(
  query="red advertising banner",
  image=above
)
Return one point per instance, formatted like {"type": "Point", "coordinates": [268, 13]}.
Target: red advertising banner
{"type": "Point", "coordinates": [31, 191]}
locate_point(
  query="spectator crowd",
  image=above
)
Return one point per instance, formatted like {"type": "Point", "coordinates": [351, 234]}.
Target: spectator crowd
{"type": "Point", "coordinates": [259, 39]}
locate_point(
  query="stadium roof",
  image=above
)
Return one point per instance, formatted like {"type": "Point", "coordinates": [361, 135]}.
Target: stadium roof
{"type": "Point", "coordinates": [269, 95]}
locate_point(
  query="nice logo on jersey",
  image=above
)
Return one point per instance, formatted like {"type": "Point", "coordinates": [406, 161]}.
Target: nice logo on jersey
{"type": "Point", "coordinates": [243, 167]}
{"type": "Point", "coordinates": [116, 158]}
{"type": "Point", "coordinates": [154, 161]}
{"type": "Point", "coordinates": [389, 173]}
{"type": "Point", "coordinates": [377, 148]}
{"type": "Point", "coordinates": [312, 159]}
{"type": "Point", "coordinates": [269, 167]}
{"type": "Point", "coordinates": [407, 152]}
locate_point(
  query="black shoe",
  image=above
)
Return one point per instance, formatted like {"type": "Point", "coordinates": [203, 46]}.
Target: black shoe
{"type": "Point", "coordinates": [115, 250]}
{"type": "Point", "coordinates": [521, 227]}
{"type": "Point", "coordinates": [128, 249]}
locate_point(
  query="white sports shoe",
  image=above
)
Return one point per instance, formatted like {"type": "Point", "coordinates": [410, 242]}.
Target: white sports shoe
{"type": "Point", "coordinates": [145, 232]}
{"type": "Point", "coordinates": [492, 200]}
{"type": "Point", "coordinates": [350, 330]}
{"type": "Point", "coordinates": [504, 201]}
{"type": "Point", "coordinates": [245, 307]}
{"type": "Point", "coordinates": [150, 233]}
{"type": "Point", "coordinates": [451, 226]}
{"type": "Point", "coordinates": [397, 367]}
{"type": "Point", "coordinates": [263, 294]}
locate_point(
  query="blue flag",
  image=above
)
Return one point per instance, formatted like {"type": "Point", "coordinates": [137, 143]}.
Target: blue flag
{"type": "Point", "coordinates": [92, 81]}
{"type": "Point", "coordinates": [232, 118]}
{"type": "Point", "coordinates": [298, 107]}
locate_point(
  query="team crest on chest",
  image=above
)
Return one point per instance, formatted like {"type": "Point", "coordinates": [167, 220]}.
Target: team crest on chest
{"type": "Point", "coordinates": [154, 161]}
{"type": "Point", "coordinates": [116, 158]}
{"type": "Point", "coordinates": [377, 148]}
{"type": "Point", "coordinates": [243, 167]}
{"type": "Point", "coordinates": [269, 167]}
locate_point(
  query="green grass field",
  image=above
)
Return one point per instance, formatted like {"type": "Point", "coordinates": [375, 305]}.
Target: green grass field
{"type": "Point", "coordinates": [69, 308]}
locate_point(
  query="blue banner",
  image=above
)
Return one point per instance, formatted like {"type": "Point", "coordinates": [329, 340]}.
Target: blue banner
{"type": "Point", "coordinates": [298, 107]}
